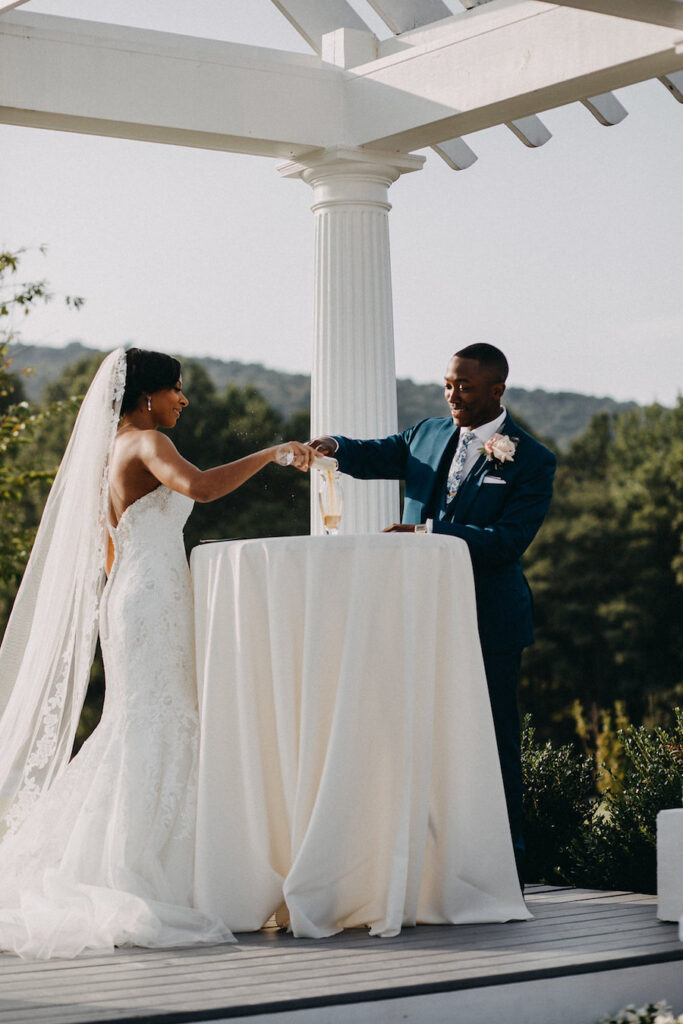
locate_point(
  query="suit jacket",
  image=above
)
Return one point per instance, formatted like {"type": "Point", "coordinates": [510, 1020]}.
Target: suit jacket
{"type": "Point", "coordinates": [497, 521]}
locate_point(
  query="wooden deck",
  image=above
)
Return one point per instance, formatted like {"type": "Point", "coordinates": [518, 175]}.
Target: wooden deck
{"type": "Point", "coordinates": [584, 954]}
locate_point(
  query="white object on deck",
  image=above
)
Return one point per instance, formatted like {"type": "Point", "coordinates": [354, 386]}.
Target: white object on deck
{"type": "Point", "coordinates": [670, 864]}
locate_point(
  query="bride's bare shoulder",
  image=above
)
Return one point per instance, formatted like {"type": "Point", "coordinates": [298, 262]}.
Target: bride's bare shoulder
{"type": "Point", "coordinates": [130, 477]}
{"type": "Point", "coordinates": [132, 442]}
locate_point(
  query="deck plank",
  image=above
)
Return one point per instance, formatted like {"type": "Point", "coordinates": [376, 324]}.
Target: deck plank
{"type": "Point", "coordinates": [573, 932]}
{"type": "Point", "coordinates": [345, 960]}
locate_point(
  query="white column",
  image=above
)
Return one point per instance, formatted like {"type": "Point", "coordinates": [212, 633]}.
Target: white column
{"type": "Point", "coordinates": [353, 382]}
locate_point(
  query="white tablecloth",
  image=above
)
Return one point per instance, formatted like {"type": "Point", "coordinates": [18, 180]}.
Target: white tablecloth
{"type": "Point", "coordinates": [348, 764]}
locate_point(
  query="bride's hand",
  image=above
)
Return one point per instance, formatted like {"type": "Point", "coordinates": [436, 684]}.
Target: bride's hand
{"type": "Point", "coordinates": [294, 453]}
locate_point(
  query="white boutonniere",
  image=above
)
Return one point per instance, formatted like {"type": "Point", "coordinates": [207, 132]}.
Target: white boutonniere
{"type": "Point", "coordinates": [499, 449]}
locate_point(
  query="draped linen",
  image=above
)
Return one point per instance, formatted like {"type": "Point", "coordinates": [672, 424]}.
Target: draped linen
{"type": "Point", "coordinates": [348, 771]}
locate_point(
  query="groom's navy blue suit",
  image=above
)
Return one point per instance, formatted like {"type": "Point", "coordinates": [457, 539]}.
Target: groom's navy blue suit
{"type": "Point", "coordinates": [498, 521]}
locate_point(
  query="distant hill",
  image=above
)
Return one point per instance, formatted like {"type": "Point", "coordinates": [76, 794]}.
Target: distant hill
{"type": "Point", "coordinates": [557, 415]}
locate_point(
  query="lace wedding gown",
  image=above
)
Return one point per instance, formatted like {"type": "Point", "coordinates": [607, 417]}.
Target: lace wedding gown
{"type": "Point", "coordinates": [105, 857]}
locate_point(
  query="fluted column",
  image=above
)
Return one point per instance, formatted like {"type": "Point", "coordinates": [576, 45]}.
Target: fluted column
{"type": "Point", "coordinates": [353, 381]}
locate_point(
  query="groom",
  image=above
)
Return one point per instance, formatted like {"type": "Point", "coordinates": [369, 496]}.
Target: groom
{"type": "Point", "coordinates": [478, 476]}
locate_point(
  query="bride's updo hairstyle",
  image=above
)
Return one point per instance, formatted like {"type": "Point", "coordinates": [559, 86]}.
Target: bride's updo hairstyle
{"type": "Point", "coordinates": [147, 372]}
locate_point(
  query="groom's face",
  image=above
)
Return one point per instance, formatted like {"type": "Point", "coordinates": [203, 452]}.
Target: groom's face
{"type": "Point", "coordinates": [472, 394]}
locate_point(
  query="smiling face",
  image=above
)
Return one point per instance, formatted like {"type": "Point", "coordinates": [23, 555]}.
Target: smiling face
{"type": "Point", "coordinates": [167, 404]}
{"type": "Point", "coordinates": [472, 392]}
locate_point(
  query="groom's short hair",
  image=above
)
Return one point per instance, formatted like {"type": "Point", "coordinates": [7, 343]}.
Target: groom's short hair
{"type": "Point", "coordinates": [489, 358]}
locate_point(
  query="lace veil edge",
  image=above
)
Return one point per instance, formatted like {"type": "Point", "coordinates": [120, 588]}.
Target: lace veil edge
{"type": "Point", "coordinates": [49, 642]}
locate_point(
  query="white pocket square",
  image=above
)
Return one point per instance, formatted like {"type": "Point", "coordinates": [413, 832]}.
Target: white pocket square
{"type": "Point", "coordinates": [494, 480]}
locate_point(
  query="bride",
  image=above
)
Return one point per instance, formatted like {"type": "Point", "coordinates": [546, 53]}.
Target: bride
{"type": "Point", "coordinates": [98, 852]}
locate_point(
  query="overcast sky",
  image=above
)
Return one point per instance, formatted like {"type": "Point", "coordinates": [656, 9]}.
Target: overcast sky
{"type": "Point", "coordinates": [569, 257]}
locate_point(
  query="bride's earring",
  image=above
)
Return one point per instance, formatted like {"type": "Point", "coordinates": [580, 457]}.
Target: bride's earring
{"type": "Point", "coordinates": [149, 404]}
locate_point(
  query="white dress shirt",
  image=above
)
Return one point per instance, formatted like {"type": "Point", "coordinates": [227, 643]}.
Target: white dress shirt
{"type": "Point", "coordinates": [483, 434]}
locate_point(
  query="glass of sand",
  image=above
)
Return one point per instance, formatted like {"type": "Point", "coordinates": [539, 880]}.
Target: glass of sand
{"type": "Point", "coordinates": [330, 496]}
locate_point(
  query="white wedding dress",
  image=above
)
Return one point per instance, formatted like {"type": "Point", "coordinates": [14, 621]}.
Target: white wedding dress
{"type": "Point", "coordinates": [105, 857]}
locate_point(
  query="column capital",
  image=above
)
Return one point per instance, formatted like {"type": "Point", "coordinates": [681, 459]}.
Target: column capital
{"type": "Point", "coordinates": [340, 176]}
{"type": "Point", "coordinates": [352, 160]}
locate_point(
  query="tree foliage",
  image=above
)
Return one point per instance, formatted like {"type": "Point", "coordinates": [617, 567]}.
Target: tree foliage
{"type": "Point", "coordinates": [19, 422]}
{"type": "Point", "coordinates": [562, 416]}
{"type": "Point", "coordinates": [607, 575]}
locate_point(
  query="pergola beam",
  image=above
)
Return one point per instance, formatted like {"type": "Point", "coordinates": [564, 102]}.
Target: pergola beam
{"type": "Point", "coordinates": [402, 16]}
{"type": "Point", "coordinates": [674, 83]}
{"type": "Point", "coordinates": [606, 109]}
{"type": "Point", "coordinates": [545, 55]}
{"type": "Point", "coordinates": [668, 13]}
{"type": "Point", "coordinates": [426, 88]}
{"type": "Point", "coordinates": [89, 77]}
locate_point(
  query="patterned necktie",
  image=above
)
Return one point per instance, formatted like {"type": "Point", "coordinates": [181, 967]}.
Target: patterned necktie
{"type": "Point", "coordinates": [455, 473]}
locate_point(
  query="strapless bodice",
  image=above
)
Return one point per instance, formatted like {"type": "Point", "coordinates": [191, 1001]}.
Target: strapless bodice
{"type": "Point", "coordinates": [146, 615]}
{"type": "Point", "coordinates": [153, 521]}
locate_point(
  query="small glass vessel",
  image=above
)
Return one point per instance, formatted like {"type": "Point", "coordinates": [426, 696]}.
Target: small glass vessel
{"type": "Point", "coordinates": [330, 495]}
{"type": "Point", "coordinates": [284, 456]}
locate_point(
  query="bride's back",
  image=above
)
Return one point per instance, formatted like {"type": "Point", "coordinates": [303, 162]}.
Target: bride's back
{"type": "Point", "coordinates": [129, 478]}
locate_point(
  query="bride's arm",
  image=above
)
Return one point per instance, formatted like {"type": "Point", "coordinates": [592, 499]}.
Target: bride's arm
{"type": "Point", "coordinates": [163, 460]}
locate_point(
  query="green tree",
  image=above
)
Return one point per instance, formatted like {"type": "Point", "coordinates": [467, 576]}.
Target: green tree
{"type": "Point", "coordinates": [606, 571]}
{"type": "Point", "coordinates": [18, 424]}
{"type": "Point", "coordinates": [646, 470]}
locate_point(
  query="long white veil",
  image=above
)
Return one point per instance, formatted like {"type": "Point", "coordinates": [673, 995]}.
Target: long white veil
{"type": "Point", "coordinates": [50, 638]}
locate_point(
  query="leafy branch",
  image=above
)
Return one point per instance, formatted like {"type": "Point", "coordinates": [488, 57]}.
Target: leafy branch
{"type": "Point", "coordinates": [19, 422]}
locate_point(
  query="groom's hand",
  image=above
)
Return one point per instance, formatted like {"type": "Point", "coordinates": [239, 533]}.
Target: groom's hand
{"type": "Point", "coordinates": [399, 528]}
{"type": "Point", "coordinates": [325, 445]}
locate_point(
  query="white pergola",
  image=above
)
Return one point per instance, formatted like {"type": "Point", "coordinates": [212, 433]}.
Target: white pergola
{"type": "Point", "coordinates": [347, 120]}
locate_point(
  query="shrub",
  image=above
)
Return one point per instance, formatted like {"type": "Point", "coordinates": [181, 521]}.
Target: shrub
{"type": "Point", "coordinates": [653, 1013]}
{"type": "Point", "coordinates": [559, 798]}
{"type": "Point", "coordinates": [621, 849]}
{"type": "Point", "coordinates": [577, 838]}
